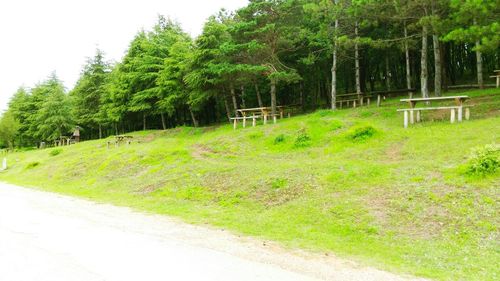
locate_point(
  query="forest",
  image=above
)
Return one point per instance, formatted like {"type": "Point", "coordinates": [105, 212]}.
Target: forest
{"type": "Point", "coordinates": [269, 53]}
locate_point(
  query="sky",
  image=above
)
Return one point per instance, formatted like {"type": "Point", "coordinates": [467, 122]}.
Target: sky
{"type": "Point", "coordinates": [40, 37]}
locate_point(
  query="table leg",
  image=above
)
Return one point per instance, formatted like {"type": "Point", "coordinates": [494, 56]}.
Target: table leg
{"type": "Point", "coordinates": [378, 100]}
{"type": "Point", "coordinates": [235, 124]}
{"type": "Point", "coordinates": [418, 116]}
{"type": "Point", "coordinates": [460, 113]}
{"type": "Point", "coordinates": [254, 122]}
{"type": "Point", "coordinates": [467, 113]}
{"type": "Point", "coordinates": [452, 116]}
{"type": "Point", "coordinates": [265, 119]}
{"type": "Point", "coordinates": [406, 119]}
{"type": "Point", "coordinates": [412, 118]}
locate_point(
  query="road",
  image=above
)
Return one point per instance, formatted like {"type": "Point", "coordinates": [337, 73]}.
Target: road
{"type": "Point", "coordinates": [49, 237]}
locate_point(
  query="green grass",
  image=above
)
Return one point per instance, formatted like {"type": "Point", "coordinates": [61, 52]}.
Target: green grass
{"type": "Point", "coordinates": [352, 182]}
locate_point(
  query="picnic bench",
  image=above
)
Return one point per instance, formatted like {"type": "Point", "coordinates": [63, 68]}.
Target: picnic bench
{"type": "Point", "coordinates": [119, 139]}
{"type": "Point", "coordinates": [497, 76]}
{"type": "Point", "coordinates": [257, 113]}
{"type": "Point", "coordinates": [409, 113]}
{"type": "Point", "coordinates": [352, 98]}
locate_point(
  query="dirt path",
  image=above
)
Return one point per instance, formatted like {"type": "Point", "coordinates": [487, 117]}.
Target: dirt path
{"type": "Point", "coordinates": [48, 237]}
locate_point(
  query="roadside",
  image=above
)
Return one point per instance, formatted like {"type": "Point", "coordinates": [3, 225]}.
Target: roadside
{"type": "Point", "coordinates": [46, 236]}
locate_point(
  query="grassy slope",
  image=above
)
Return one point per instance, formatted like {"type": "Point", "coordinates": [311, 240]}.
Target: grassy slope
{"type": "Point", "coordinates": [396, 200]}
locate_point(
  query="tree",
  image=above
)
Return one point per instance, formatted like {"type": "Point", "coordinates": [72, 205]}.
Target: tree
{"type": "Point", "coordinates": [9, 128]}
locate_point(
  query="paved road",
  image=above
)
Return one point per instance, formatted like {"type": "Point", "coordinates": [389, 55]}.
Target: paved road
{"type": "Point", "coordinates": [48, 237]}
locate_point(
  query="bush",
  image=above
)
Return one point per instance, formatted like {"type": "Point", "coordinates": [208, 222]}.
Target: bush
{"type": "Point", "coordinates": [484, 160]}
{"type": "Point", "coordinates": [362, 133]}
{"type": "Point", "coordinates": [32, 165]}
{"type": "Point", "coordinates": [279, 139]}
{"type": "Point", "coordinates": [55, 152]}
{"type": "Point", "coordinates": [302, 139]}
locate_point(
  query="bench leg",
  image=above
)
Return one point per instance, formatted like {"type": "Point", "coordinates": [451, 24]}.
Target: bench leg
{"type": "Point", "coordinates": [274, 119]}
{"type": "Point", "coordinates": [406, 119]}
{"type": "Point", "coordinates": [467, 114]}
{"type": "Point", "coordinates": [354, 104]}
{"type": "Point", "coordinates": [254, 122]}
{"type": "Point", "coordinates": [265, 119]}
{"type": "Point", "coordinates": [235, 124]}
{"type": "Point", "coordinates": [418, 117]}
{"type": "Point", "coordinates": [460, 114]}
{"type": "Point", "coordinates": [368, 101]}
{"type": "Point", "coordinates": [412, 118]}
{"type": "Point", "coordinates": [452, 116]}
{"type": "Point", "coordinates": [244, 122]}
{"type": "Point", "coordinates": [378, 100]}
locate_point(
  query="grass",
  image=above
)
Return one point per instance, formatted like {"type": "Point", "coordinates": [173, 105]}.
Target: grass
{"type": "Point", "coordinates": [352, 182]}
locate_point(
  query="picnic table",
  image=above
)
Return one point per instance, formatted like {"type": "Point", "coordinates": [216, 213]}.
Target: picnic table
{"type": "Point", "coordinates": [257, 113]}
{"type": "Point", "coordinates": [458, 107]}
{"type": "Point", "coordinates": [352, 98]}
{"type": "Point", "coordinates": [497, 76]}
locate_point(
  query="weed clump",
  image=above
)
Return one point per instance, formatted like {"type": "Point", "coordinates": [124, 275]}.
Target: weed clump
{"type": "Point", "coordinates": [55, 152]}
{"type": "Point", "coordinates": [302, 139]}
{"type": "Point", "coordinates": [484, 160]}
{"type": "Point", "coordinates": [360, 134]}
{"type": "Point", "coordinates": [280, 139]}
{"type": "Point", "coordinates": [32, 165]}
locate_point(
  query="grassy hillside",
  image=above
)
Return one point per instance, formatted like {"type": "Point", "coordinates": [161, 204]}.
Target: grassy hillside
{"type": "Point", "coordinates": [352, 182]}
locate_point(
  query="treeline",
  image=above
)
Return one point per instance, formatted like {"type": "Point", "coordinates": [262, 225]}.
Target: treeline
{"type": "Point", "coordinates": [268, 53]}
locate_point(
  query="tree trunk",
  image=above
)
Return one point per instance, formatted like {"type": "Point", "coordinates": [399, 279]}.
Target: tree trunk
{"type": "Point", "coordinates": [144, 121]}
{"type": "Point", "coordinates": [100, 131]}
{"type": "Point", "coordinates": [437, 65]}
{"type": "Point", "coordinates": [163, 124]}
{"type": "Point", "coordinates": [334, 68]}
{"type": "Point", "coordinates": [301, 93]}
{"type": "Point", "coordinates": [273, 97]}
{"type": "Point", "coordinates": [195, 122]}
{"type": "Point", "coordinates": [259, 97]}
{"type": "Point", "coordinates": [116, 129]}
{"type": "Point", "coordinates": [228, 111]}
{"type": "Point", "coordinates": [479, 65]}
{"type": "Point", "coordinates": [356, 58]}
{"type": "Point", "coordinates": [243, 104]}
{"type": "Point", "coordinates": [235, 102]}
{"type": "Point", "coordinates": [423, 63]}
{"type": "Point", "coordinates": [387, 73]}
{"type": "Point", "coordinates": [408, 66]}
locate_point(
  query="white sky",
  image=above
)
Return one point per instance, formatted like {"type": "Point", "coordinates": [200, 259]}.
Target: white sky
{"type": "Point", "coordinates": [41, 36]}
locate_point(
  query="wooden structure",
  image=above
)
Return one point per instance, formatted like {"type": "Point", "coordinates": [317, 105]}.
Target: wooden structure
{"type": "Point", "coordinates": [119, 139]}
{"type": "Point", "coordinates": [409, 113]}
{"type": "Point", "coordinates": [76, 134]}
{"type": "Point", "coordinates": [253, 114]}
{"type": "Point", "coordinates": [497, 76]}
{"type": "Point", "coordinates": [352, 99]}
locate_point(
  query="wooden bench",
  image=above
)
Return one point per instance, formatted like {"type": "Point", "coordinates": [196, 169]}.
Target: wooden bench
{"type": "Point", "coordinates": [459, 100]}
{"type": "Point", "coordinates": [497, 76]}
{"type": "Point", "coordinates": [245, 118]}
{"type": "Point", "coordinates": [408, 113]}
{"type": "Point", "coordinates": [354, 101]}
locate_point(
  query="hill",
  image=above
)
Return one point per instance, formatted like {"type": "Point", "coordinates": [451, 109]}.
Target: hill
{"type": "Point", "coordinates": [353, 182]}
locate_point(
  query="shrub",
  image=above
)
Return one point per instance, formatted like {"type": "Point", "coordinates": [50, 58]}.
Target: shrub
{"type": "Point", "coordinates": [32, 165]}
{"type": "Point", "coordinates": [362, 133]}
{"type": "Point", "coordinates": [302, 139]}
{"type": "Point", "coordinates": [484, 160]}
{"type": "Point", "coordinates": [55, 152]}
{"type": "Point", "coordinates": [279, 139]}
{"type": "Point", "coordinates": [279, 183]}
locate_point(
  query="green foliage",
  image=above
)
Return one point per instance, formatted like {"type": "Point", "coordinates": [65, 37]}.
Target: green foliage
{"type": "Point", "coordinates": [55, 152]}
{"type": "Point", "coordinates": [484, 161]}
{"type": "Point", "coordinates": [360, 134]}
{"type": "Point", "coordinates": [32, 165]}
{"type": "Point", "coordinates": [278, 183]}
{"type": "Point", "coordinates": [9, 128]}
{"type": "Point", "coordinates": [302, 139]}
{"type": "Point", "coordinates": [280, 139]}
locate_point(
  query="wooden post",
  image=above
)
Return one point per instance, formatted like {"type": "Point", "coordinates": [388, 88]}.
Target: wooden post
{"type": "Point", "coordinates": [354, 104]}
{"type": "Point", "coordinates": [274, 119]}
{"type": "Point", "coordinates": [254, 121]}
{"type": "Point", "coordinates": [467, 113]}
{"type": "Point", "coordinates": [452, 116]}
{"type": "Point", "coordinates": [289, 115]}
{"type": "Point", "coordinates": [406, 119]}
{"type": "Point", "coordinates": [265, 119]}
{"type": "Point", "coordinates": [378, 100]}
{"type": "Point", "coordinates": [460, 113]}
{"type": "Point", "coordinates": [418, 116]}
{"type": "Point", "coordinates": [412, 118]}
{"type": "Point", "coordinates": [368, 100]}
{"type": "Point", "coordinates": [235, 123]}
{"type": "Point", "coordinates": [244, 122]}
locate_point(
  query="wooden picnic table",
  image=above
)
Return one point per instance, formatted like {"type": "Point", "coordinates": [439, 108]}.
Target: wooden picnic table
{"type": "Point", "coordinates": [258, 112]}
{"type": "Point", "coordinates": [459, 105]}
{"type": "Point", "coordinates": [497, 76]}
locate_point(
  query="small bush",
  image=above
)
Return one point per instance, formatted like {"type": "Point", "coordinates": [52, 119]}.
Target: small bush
{"type": "Point", "coordinates": [279, 139]}
{"type": "Point", "coordinates": [335, 125]}
{"type": "Point", "coordinates": [484, 160]}
{"type": "Point", "coordinates": [302, 139]}
{"type": "Point", "coordinates": [279, 183]}
{"type": "Point", "coordinates": [362, 133]}
{"type": "Point", "coordinates": [32, 165]}
{"type": "Point", "coordinates": [55, 152]}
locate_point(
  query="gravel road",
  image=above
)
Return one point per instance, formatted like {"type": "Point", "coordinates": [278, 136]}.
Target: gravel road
{"type": "Point", "coordinates": [49, 237]}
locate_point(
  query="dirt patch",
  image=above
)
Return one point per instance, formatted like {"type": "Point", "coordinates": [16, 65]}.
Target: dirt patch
{"type": "Point", "coordinates": [394, 153]}
{"type": "Point", "coordinates": [201, 151]}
